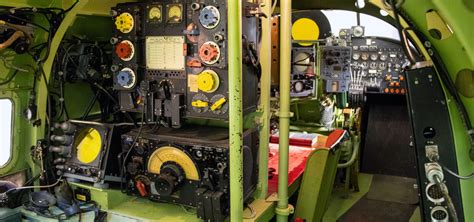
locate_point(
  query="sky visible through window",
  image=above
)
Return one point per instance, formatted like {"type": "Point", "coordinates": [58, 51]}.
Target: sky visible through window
{"type": "Point", "coordinates": [339, 19]}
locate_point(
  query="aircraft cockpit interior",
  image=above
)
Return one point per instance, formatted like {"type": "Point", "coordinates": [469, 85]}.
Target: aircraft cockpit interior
{"type": "Point", "coordinates": [237, 110]}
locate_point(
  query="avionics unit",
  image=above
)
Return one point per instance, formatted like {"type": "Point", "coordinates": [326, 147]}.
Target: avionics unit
{"type": "Point", "coordinates": [188, 166]}
{"type": "Point", "coordinates": [86, 151]}
{"type": "Point", "coordinates": [303, 71]}
{"type": "Point", "coordinates": [335, 68]}
{"type": "Point", "coordinates": [171, 58]}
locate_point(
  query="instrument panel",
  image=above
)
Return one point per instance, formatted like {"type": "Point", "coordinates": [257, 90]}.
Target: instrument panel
{"type": "Point", "coordinates": [171, 60]}
{"type": "Point", "coordinates": [379, 63]}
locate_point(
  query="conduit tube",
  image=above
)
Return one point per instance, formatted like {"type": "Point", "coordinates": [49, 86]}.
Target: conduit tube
{"type": "Point", "coordinates": [265, 84]}
{"type": "Point", "coordinates": [234, 15]}
{"type": "Point", "coordinates": [283, 209]}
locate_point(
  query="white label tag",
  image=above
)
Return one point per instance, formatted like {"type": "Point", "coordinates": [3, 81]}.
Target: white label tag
{"type": "Point", "coordinates": [165, 52]}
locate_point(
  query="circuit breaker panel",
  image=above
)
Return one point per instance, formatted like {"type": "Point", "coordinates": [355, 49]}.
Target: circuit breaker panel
{"type": "Point", "coordinates": [171, 58]}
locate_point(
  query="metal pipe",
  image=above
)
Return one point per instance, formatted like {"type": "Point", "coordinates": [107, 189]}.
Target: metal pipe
{"type": "Point", "coordinates": [234, 15]}
{"type": "Point", "coordinates": [355, 153]}
{"type": "Point", "coordinates": [265, 85]}
{"type": "Point", "coordinates": [282, 209]}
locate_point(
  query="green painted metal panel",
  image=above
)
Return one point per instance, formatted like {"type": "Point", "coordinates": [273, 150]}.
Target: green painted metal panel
{"type": "Point", "coordinates": [317, 184]}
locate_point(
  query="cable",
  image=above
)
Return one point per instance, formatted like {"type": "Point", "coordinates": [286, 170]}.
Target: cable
{"type": "Point", "coordinates": [468, 177]}
{"type": "Point", "coordinates": [274, 6]}
{"type": "Point", "coordinates": [9, 79]}
{"type": "Point", "coordinates": [122, 169]}
{"type": "Point", "coordinates": [9, 64]}
{"type": "Point", "coordinates": [34, 187]}
{"type": "Point", "coordinates": [400, 31]}
{"type": "Point", "coordinates": [70, 8]}
{"type": "Point", "coordinates": [90, 106]}
{"type": "Point", "coordinates": [447, 198]}
{"type": "Point", "coordinates": [446, 79]}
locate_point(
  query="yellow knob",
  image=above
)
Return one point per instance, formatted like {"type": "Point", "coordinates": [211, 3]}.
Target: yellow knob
{"type": "Point", "coordinates": [124, 22]}
{"type": "Point", "coordinates": [208, 81]}
{"type": "Point", "coordinates": [218, 104]}
{"type": "Point", "coordinates": [199, 104]}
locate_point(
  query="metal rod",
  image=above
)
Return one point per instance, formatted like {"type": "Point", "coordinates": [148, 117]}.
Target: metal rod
{"type": "Point", "coordinates": [265, 85]}
{"type": "Point", "coordinates": [234, 15]}
{"type": "Point", "coordinates": [355, 153]}
{"type": "Point", "coordinates": [282, 210]}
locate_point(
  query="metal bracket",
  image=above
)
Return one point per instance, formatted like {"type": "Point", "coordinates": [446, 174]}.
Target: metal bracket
{"type": "Point", "coordinates": [284, 114]}
{"type": "Point", "coordinates": [285, 211]}
{"type": "Point", "coordinates": [272, 198]}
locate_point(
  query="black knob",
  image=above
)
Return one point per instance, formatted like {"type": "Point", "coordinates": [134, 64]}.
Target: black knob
{"type": "Point", "coordinates": [165, 184]}
{"type": "Point", "coordinates": [171, 175]}
{"type": "Point", "coordinates": [429, 132]}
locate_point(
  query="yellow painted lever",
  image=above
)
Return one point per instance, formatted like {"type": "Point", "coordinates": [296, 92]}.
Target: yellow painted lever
{"type": "Point", "coordinates": [199, 104]}
{"type": "Point", "coordinates": [218, 104]}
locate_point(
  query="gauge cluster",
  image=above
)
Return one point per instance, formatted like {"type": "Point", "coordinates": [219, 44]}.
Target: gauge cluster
{"type": "Point", "coordinates": [380, 63]}
{"type": "Point", "coordinates": [171, 59]}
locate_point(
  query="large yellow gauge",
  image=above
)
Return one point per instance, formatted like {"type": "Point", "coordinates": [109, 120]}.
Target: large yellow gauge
{"type": "Point", "coordinates": [172, 154]}
{"type": "Point", "coordinates": [175, 13]}
{"type": "Point", "coordinates": [88, 144]}
{"type": "Point", "coordinates": [154, 13]}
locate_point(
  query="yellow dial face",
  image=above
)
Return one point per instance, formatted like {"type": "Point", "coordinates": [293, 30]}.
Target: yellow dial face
{"type": "Point", "coordinates": [88, 144]}
{"type": "Point", "coordinates": [155, 13]}
{"type": "Point", "coordinates": [175, 13]}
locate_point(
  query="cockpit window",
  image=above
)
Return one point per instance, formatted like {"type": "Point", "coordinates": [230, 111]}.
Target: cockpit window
{"type": "Point", "coordinates": [6, 108]}
{"type": "Point", "coordinates": [339, 19]}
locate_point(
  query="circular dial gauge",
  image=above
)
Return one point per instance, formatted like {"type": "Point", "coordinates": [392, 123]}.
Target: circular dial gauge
{"type": "Point", "coordinates": [88, 144]}
{"type": "Point", "coordinates": [358, 31]}
{"type": "Point", "coordinates": [374, 57]}
{"type": "Point", "coordinates": [302, 61]}
{"type": "Point", "coordinates": [175, 13]}
{"type": "Point", "coordinates": [365, 56]}
{"type": "Point", "coordinates": [355, 56]}
{"type": "Point", "coordinates": [383, 57]}
{"type": "Point", "coordinates": [155, 13]}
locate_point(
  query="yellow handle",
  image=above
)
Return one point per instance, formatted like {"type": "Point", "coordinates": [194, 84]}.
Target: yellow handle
{"type": "Point", "coordinates": [199, 104]}
{"type": "Point", "coordinates": [218, 104]}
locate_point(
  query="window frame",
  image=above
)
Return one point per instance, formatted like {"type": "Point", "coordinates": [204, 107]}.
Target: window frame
{"type": "Point", "coordinates": [12, 125]}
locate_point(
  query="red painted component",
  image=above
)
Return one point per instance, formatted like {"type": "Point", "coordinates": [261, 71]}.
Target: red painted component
{"type": "Point", "coordinates": [208, 52]}
{"type": "Point", "coordinates": [298, 219]}
{"type": "Point", "coordinates": [194, 63]}
{"type": "Point", "coordinates": [141, 188]}
{"type": "Point", "coordinates": [297, 159]}
{"type": "Point", "coordinates": [124, 50]}
{"type": "Point", "coordinates": [297, 163]}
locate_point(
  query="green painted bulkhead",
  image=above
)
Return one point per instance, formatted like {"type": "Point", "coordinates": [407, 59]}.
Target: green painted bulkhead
{"type": "Point", "coordinates": [90, 20]}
